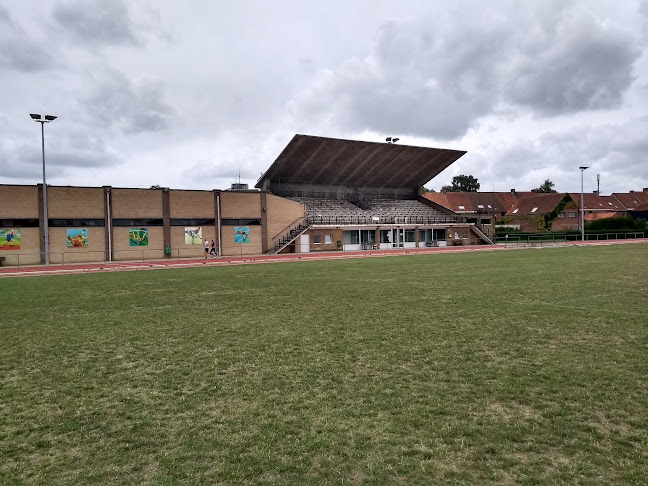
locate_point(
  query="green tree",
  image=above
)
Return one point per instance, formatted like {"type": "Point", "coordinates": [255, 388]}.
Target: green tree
{"type": "Point", "coordinates": [462, 183]}
{"type": "Point", "coordinates": [547, 187]}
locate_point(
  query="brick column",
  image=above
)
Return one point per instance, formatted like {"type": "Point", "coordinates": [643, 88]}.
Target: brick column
{"type": "Point", "coordinates": [166, 220]}
{"type": "Point", "coordinates": [41, 224]}
{"type": "Point", "coordinates": [264, 223]}
{"type": "Point", "coordinates": [217, 212]}
{"type": "Point", "coordinates": [108, 228]}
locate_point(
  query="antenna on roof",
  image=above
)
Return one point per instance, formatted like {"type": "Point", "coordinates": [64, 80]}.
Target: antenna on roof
{"type": "Point", "coordinates": [598, 184]}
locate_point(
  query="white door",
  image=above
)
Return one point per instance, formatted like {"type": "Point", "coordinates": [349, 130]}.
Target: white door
{"type": "Point", "coordinates": [304, 243]}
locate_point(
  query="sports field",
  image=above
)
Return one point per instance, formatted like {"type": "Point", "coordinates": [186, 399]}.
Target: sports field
{"type": "Point", "coordinates": [511, 367]}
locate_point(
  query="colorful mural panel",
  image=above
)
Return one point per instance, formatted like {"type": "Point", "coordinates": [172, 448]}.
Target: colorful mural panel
{"type": "Point", "coordinates": [77, 237]}
{"type": "Point", "coordinates": [193, 235]}
{"type": "Point", "coordinates": [241, 234]}
{"type": "Point", "coordinates": [138, 237]}
{"type": "Point", "coordinates": [9, 239]}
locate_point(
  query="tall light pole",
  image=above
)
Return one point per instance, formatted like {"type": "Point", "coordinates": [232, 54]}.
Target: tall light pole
{"type": "Point", "coordinates": [43, 121]}
{"type": "Point", "coordinates": [582, 169]}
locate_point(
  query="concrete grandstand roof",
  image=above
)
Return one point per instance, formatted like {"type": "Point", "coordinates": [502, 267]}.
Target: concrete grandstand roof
{"type": "Point", "coordinates": [321, 160]}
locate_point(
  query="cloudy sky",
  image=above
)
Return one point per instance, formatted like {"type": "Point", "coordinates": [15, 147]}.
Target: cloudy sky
{"type": "Point", "coordinates": [190, 94]}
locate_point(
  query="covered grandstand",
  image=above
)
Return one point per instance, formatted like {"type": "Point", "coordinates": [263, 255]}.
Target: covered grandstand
{"type": "Point", "coordinates": [321, 194]}
{"type": "Point", "coordinates": [364, 195]}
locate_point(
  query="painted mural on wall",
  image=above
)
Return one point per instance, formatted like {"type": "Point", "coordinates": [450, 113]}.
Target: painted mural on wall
{"type": "Point", "coordinates": [193, 235]}
{"type": "Point", "coordinates": [9, 239]}
{"type": "Point", "coordinates": [77, 237]}
{"type": "Point", "coordinates": [138, 237]}
{"type": "Point", "coordinates": [241, 234]}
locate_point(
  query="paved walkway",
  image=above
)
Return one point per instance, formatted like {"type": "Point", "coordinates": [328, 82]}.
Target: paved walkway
{"type": "Point", "coordinates": [255, 259]}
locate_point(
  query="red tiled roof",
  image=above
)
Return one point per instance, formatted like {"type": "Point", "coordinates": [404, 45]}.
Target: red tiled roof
{"type": "Point", "coordinates": [643, 207]}
{"type": "Point", "coordinates": [631, 200]}
{"type": "Point", "coordinates": [542, 203]}
{"type": "Point", "coordinates": [600, 215]}
{"type": "Point", "coordinates": [462, 202]}
{"type": "Point", "coordinates": [593, 202]}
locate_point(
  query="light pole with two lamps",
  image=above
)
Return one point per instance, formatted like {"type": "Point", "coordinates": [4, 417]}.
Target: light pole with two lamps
{"type": "Point", "coordinates": [43, 120]}
{"type": "Point", "coordinates": [582, 169]}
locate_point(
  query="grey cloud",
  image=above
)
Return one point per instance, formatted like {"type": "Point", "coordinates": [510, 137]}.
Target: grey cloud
{"type": "Point", "coordinates": [96, 21]}
{"type": "Point", "coordinates": [430, 79]}
{"type": "Point", "coordinates": [22, 158]}
{"type": "Point", "coordinates": [583, 64]}
{"type": "Point", "coordinates": [18, 50]}
{"type": "Point", "coordinates": [614, 151]}
{"type": "Point", "coordinates": [135, 108]}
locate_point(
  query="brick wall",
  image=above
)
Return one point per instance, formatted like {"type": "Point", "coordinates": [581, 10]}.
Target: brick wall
{"type": "Point", "coordinates": [75, 202]}
{"type": "Point", "coordinates": [191, 204]}
{"type": "Point", "coordinates": [136, 203]}
{"type": "Point", "coordinates": [19, 202]}
{"type": "Point", "coordinates": [240, 205]}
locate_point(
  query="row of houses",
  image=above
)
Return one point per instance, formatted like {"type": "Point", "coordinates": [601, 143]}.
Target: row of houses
{"type": "Point", "coordinates": [531, 211]}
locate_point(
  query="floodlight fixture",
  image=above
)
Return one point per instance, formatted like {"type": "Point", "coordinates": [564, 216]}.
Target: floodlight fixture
{"type": "Point", "coordinates": [388, 139]}
{"type": "Point", "coordinates": [48, 118]}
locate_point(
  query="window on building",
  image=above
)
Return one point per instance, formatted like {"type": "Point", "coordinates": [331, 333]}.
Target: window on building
{"type": "Point", "coordinates": [462, 207]}
{"type": "Point", "coordinates": [561, 214]}
{"type": "Point", "coordinates": [317, 238]}
{"type": "Point", "coordinates": [410, 236]}
{"type": "Point", "coordinates": [571, 214]}
{"type": "Point", "coordinates": [480, 206]}
{"type": "Point", "coordinates": [367, 236]}
{"type": "Point", "coordinates": [62, 223]}
{"type": "Point", "coordinates": [19, 223]}
{"type": "Point", "coordinates": [136, 222]}
{"type": "Point", "coordinates": [351, 237]}
{"type": "Point", "coordinates": [328, 239]}
{"type": "Point", "coordinates": [534, 210]}
{"type": "Point", "coordinates": [224, 222]}
{"type": "Point", "coordinates": [516, 210]}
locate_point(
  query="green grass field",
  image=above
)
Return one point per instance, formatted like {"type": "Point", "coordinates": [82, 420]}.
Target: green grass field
{"type": "Point", "coordinates": [516, 367]}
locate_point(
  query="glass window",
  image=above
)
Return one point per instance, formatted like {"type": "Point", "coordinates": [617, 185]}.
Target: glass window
{"type": "Point", "coordinates": [351, 237]}
{"type": "Point", "coordinates": [328, 239]}
{"type": "Point", "coordinates": [410, 236]}
{"type": "Point", "coordinates": [367, 236]}
{"type": "Point", "coordinates": [317, 239]}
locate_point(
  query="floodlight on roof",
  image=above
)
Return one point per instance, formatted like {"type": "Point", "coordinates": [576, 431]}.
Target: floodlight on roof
{"type": "Point", "coordinates": [35, 116]}
{"type": "Point", "coordinates": [388, 139]}
{"type": "Point", "coordinates": [394, 140]}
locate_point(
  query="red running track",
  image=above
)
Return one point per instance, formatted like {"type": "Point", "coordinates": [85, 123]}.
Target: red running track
{"type": "Point", "coordinates": [246, 260]}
